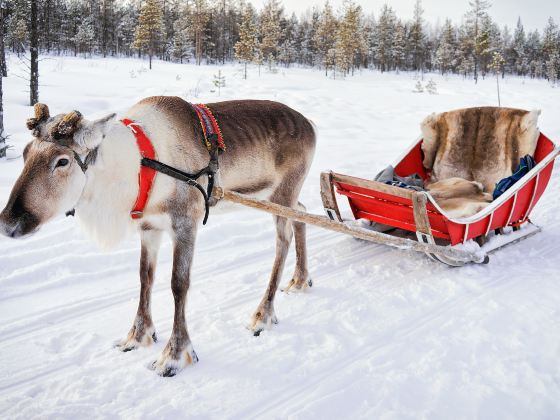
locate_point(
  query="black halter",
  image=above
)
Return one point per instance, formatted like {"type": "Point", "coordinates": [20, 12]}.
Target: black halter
{"type": "Point", "coordinates": [210, 170]}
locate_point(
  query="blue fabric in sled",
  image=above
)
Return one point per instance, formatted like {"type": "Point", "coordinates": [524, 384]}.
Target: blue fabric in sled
{"type": "Point", "coordinates": [526, 163]}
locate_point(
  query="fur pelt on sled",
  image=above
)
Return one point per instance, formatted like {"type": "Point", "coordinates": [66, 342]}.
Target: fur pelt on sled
{"type": "Point", "coordinates": [467, 151]}
{"type": "Point", "coordinates": [478, 144]}
{"type": "Point", "coordinates": [458, 197]}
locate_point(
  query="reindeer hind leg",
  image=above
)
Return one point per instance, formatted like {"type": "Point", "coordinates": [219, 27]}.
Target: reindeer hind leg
{"type": "Point", "coordinates": [300, 280]}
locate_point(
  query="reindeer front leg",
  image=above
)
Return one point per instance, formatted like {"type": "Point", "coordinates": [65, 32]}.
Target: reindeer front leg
{"type": "Point", "coordinates": [142, 333]}
{"type": "Point", "coordinates": [179, 352]}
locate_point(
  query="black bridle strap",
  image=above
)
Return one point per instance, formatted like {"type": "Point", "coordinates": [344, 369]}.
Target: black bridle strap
{"type": "Point", "coordinates": [190, 179]}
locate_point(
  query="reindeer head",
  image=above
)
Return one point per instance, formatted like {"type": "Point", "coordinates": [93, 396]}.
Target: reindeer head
{"type": "Point", "coordinates": [53, 176]}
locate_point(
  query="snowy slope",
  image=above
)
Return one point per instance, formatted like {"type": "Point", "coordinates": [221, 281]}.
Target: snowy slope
{"type": "Point", "coordinates": [382, 334]}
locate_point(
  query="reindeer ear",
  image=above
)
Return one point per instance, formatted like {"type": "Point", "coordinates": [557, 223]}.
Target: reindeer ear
{"type": "Point", "coordinates": [92, 133]}
{"type": "Point", "coordinates": [41, 115]}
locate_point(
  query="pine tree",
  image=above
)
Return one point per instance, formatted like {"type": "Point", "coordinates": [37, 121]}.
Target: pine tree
{"type": "Point", "coordinates": [417, 37]}
{"type": "Point", "coordinates": [485, 43]}
{"type": "Point", "coordinates": [287, 50]}
{"type": "Point", "coordinates": [518, 49]}
{"type": "Point", "coordinates": [325, 37]}
{"type": "Point", "coordinates": [551, 51]}
{"type": "Point", "coordinates": [399, 47]}
{"type": "Point", "coordinates": [533, 53]}
{"type": "Point", "coordinates": [553, 67]}
{"type": "Point", "coordinates": [198, 17]}
{"type": "Point", "coordinates": [349, 40]}
{"type": "Point", "coordinates": [447, 50]}
{"type": "Point", "coordinates": [246, 46]}
{"type": "Point", "coordinates": [384, 33]}
{"type": "Point", "coordinates": [182, 45]}
{"type": "Point", "coordinates": [149, 28]}
{"type": "Point", "coordinates": [270, 30]}
{"type": "Point", "coordinates": [125, 30]}
{"type": "Point", "coordinates": [107, 16]}
{"type": "Point", "coordinates": [475, 18]}
{"type": "Point", "coordinates": [85, 36]}
{"type": "Point", "coordinates": [550, 39]}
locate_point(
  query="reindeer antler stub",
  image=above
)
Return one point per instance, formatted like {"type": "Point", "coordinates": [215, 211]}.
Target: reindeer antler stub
{"type": "Point", "coordinates": [67, 125]}
{"type": "Point", "coordinates": [41, 115]}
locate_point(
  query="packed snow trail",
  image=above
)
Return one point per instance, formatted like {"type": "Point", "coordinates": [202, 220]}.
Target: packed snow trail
{"type": "Point", "coordinates": [383, 333]}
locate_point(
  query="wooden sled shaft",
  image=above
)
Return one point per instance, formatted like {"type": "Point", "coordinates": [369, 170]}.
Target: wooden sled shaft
{"type": "Point", "coordinates": [355, 231]}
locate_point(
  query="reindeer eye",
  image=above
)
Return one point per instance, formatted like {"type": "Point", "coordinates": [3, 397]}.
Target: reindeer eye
{"type": "Point", "coordinates": [62, 162]}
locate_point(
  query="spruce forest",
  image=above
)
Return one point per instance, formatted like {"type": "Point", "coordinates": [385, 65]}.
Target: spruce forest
{"type": "Point", "coordinates": [338, 41]}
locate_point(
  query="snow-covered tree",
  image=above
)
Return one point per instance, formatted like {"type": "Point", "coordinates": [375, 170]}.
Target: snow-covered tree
{"type": "Point", "coordinates": [349, 38]}
{"type": "Point", "coordinates": [550, 39]}
{"type": "Point", "coordinates": [399, 47]}
{"type": "Point", "coordinates": [551, 51]}
{"type": "Point", "coordinates": [86, 36]}
{"type": "Point", "coordinates": [553, 67]}
{"type": "Point", "coordinates": [270, 30]}
{"type": "Point", "coordinates": [477, 20]}
{"type": "Point", "coordinates": [518, 49]}
{"type": "Point", "coordinates": [533, 53]}
{"type": "Point", "coordinates": [149, 29]}
{"type": "Point", "coordinates": [246, 47]}
{"type": "Point", "coordinates": [198, 16]}
{"type": "Point", "coordinates": [182, 46]}
{"type": "Point", "coordinates": [384, 33]}
{"type": "Point", "coordinates": [446, 53]}
{"type": "Point", "coordinates": [417, 37]}
{"type": "Point", "coordinates": [325, 37]}
{"type": "Point", "coordinates": [287, 50]}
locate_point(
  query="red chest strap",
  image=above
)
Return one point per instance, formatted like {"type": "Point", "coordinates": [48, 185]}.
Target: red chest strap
{"type": "Point", "coordinates": [146, 175]}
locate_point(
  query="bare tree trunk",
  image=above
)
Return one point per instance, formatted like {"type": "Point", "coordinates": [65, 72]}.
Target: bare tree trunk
{"type": "Point", "coordinates": [3, 67]}
{"type": "Point", "coordinates": [34, 48]}
{"type": "Point", "coordinates": [2, 136]}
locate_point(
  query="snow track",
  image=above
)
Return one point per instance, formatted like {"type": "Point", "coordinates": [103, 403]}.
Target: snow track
{"type": "Point", "coordinates": [383, 333]}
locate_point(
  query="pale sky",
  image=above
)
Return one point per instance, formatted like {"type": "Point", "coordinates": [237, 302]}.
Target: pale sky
{"type": "Point", "coordinates": [534, 13]}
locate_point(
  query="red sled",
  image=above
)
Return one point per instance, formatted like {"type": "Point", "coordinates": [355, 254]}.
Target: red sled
{"type": "Point", "coordinates": [507, 216]}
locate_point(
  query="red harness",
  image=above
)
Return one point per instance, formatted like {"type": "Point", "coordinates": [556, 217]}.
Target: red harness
{"type": "Point", "coordinates": [146, 175]}
{"type": "Point", "coordinates": [212, 138]}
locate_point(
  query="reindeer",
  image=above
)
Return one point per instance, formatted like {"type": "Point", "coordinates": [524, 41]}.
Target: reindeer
{"type": "Point", "coordinates": [93, 166]}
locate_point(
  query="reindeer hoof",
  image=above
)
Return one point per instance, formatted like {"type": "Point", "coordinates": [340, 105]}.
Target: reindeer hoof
{"type": "Point", "coordinates": [133, 341]}
{"type": "Point", "coordinates": [297, 286]}
{"type": "Point", "coordinates": [262, 319]}
{"type": "Point", "coordinates": [169, 372]}
{"type": "Point", "coordinates": [168, 366]}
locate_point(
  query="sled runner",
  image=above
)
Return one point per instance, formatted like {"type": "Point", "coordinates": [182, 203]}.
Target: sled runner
{"type": "Point", "coordinates": [442, 237]}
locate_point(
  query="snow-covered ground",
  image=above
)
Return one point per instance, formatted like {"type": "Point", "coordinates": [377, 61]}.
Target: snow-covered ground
{"type": "Point", "coordinates": [382, 334]}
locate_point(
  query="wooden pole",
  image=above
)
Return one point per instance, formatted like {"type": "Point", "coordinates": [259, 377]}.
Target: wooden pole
{"type": "Point", "coordinates": [361, 233]}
